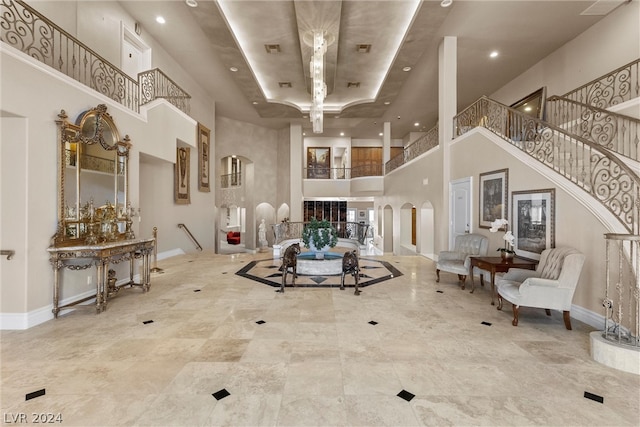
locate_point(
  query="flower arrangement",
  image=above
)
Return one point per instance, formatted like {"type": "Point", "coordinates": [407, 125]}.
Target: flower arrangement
{"type": "Point", "coordinates": [508, 237]}
{"type": "Point", "coordinates": [320, 234]}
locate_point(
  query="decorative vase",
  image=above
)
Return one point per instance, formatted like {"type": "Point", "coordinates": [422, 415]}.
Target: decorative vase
{"type": "Point", "coordinates": [507, 256]}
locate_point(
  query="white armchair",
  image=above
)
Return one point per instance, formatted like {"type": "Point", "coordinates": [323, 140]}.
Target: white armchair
{"type": "Point", "coordinates": [457, 261]}
{"type": "Point", "coordinates": [550, 286]}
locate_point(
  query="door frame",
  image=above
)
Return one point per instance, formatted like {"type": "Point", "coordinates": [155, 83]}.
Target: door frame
{"type": "Point", "coordinates": [467, 183]}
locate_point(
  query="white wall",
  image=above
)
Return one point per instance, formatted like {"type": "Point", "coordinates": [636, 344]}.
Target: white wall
{"type": "Point", "coordinates": [611, 43]}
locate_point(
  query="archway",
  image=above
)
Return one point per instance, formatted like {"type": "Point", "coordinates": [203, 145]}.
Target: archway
{"type": "Point", "coordinates": [408, 228]}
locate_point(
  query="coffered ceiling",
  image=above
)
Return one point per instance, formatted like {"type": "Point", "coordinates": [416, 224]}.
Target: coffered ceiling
{"type": "Point", "coordinates": [381, 62]}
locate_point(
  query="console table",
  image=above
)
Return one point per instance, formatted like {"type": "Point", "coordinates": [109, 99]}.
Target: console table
{"type": "Point", "coordinates": [497, 265]}
{"type": "Point", "coordinates": [82, 257]}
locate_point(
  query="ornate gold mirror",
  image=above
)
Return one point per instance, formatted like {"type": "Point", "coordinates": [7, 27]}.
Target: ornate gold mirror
{"type": "Point", "coordinates": [93, 203]}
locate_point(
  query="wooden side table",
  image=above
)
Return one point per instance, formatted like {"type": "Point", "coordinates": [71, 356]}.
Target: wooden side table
{"type": "Point", "coordinates": [498, 265]}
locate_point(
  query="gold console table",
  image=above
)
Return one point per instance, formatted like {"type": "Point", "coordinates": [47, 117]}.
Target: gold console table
{"type": "Point", "coordinates": [101, 255]}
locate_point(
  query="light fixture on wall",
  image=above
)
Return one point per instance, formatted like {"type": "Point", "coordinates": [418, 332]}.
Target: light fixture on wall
{"type": "Point", "coordinates": [319, 87]}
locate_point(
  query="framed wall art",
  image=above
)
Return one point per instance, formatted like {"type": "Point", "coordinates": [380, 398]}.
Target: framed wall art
{"type": "Point", "coordinates": [204, 147]}
{"type": "Point", "coordinates": [533, 222]}
{"type": "Point", "coordinates": [318, 162]}
{"type": "Point", "coordinates": [494, 191]}
{"type": "Point", "coordinates": [181, 177]}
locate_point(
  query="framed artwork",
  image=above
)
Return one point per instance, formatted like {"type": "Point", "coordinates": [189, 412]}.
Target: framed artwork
{"type": "Point", "coordinates": [494, 193]}
{"type": "Point", "coordinates": [318, 162]}
{"type": "Point", "coordinates": [181, 177]}
{"type": "Point", "coordinates": [204, 144]}
{"type": "Point", "coordinates": [533, 222]}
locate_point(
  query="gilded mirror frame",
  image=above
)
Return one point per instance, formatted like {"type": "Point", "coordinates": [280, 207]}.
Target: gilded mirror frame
{"type": "Point", "coordinates": [80, 221]}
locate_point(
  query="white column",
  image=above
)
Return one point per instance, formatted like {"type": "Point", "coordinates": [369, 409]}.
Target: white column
{"type": "Point", "coordinates": [447, 109]}
{"type": "Point", "coordinates": [386, 142]}
{"type": "Point", "coordinates": [295, 159]}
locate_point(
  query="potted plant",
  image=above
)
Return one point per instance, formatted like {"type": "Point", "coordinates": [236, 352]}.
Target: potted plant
{"type": "Point", "coordinates": [508, 237]}
{"type": "Point", "coordinates": [319, 236]}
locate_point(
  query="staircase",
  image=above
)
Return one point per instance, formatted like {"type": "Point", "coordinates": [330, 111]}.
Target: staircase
{"type": "Point", "coordinates": [598, 151]}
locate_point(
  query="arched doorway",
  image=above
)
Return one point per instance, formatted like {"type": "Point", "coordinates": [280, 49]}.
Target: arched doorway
{"type": "Point", "coordinates": [408, 227]}
{"type": "Point", "coordinates": [426, 240]}
{"type": "Point", "coordinates": [388, 229]}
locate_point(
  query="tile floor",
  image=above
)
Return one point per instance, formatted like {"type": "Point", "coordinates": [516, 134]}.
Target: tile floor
{"type": "Point", "coordinates": [310, 356]}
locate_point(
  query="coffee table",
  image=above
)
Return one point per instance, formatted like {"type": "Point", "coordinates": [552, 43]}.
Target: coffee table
{"type": "Point", "coordinates": [497, 265]}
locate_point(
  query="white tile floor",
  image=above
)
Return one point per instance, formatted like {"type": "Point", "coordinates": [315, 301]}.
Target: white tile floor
{"type": "Point", "coordinates": [315, 361]}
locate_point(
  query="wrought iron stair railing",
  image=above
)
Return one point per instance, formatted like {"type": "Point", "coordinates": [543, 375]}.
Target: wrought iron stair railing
{"type": "Point", "coordinates": [347, 230]}
{"type": "Point", "coordinates": [30, 32]}
{"type": "Point", "coordinates": [592, 168]}
{"type": "Point", "coordinates": [616, 87]}
{"type": "Point", "coordinates": [613, 131]}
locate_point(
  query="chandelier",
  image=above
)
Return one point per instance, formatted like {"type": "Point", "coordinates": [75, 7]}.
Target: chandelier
{"type": "Point", "coordinates": [319, 87]}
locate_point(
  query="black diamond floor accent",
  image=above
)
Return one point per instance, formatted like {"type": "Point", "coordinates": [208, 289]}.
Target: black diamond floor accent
{"type": "Point", "coordinates": [404, 394]}
{"type": "Point", "coordinates": [34, 394]}
{"type": "Point", "coordinates": [595, 397]}
{"type": "Point", "coordinates": [366, 267]}
{"type": "Point", "coordinates": [196, 290]}
{"type": "Point", "coordinates": [221, 394]}
{"type": "Point", "coordinates": [146, 322]}
{"type": "Point", "coordinates": [486, 323]}
{"type": "Point", "coordinates": [260, 322]}
{"type": "Point", "coordinates": [440, 292]}
{"type": "Point", "coordinates": [373, 322]}
{"type": "Point", "coordinates": [224, 272]}
{"type": "Point", "coordinates": [318, 279]}
{"type": "Point", "coordinates": [274, 266]}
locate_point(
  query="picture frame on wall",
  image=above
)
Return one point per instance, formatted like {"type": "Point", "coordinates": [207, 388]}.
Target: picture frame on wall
{"type": "Point", "coordinates": [533, 225]}
{"type": "Point", "coordinates": [493, 196]}
{"type": "Point", "coordinates": [204, 149]}
{"type": "Point", "coordinates": [318, 162]}
{"type": "Point", "coordinates": [181, 187]}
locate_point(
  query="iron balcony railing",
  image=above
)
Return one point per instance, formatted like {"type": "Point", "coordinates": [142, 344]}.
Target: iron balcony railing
{"type": "Point", "coordinates": [372, 169]}
{"type": "Point", "coordinates": [591, 167]}
{"type": "Point", "coordinates": [615, 132]}
{"type": "Point", "coordinates": [231, 180]}
{"type": "Point", "coordinates": [154, 84]}
{"type": "Point", "coordinates": [27, 30]}
{"type": "Point", "coordinates": [614, 88]}
{"type": "Point", "coordinates": [347, 230]}
{"type": "Point", "coordinates": [420, 146]}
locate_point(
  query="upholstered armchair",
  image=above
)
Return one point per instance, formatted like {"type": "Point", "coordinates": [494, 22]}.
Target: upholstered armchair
{"type": "Point", "coordinates": [457, 261]}
{"type": "Point", "coordinates": [550, 286]}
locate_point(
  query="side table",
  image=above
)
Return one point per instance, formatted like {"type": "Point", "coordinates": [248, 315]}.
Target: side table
{"type": "Point", "coordinates": [498, 265]}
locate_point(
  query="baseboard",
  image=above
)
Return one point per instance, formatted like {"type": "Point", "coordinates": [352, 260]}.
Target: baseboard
{"type": "Point", "coordinates": [171, 253]}
{"type": "Point", "coordinates": [589, 317]}
{"type": "Point", "coordinates": [19, 321]}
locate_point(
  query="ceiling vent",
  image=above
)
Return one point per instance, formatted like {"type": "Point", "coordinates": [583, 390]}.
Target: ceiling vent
{"type": "Point", "coordinates": [363, 48]}
{"type": "Point", "coordinates": [284, 84]}
{"type": "Point", "coordinates": [602, 7]}
{"type": "Point", "coordinates": [272, 48]}
{"type": "Point", "coordinates": [353, 85]}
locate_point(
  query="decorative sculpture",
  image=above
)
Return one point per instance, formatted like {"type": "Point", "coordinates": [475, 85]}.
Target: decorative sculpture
{"type": "Point", "coordinates": [350, 266]}
{"type": "Point", "coordinates": [290, 260]}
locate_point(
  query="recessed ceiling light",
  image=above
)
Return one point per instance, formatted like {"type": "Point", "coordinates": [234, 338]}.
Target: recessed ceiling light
{"type": "Point", "coordinates": [341, 133]}
{"type": "Point", "coordinates": [406, 69]}
{"type": "Point", "coordinates": [160, 20]}
{"type": "Point", "coordinates": [233, 156]}
{"type": "Point", "coordinates": [527, 108]}
{"type": "Point", "coordinates": [380, 134]}
{"type": "Point", "coordinates": [387, 102]}
{"type": "Point", "coordinates": [255, 102]}
{"type": "Point", "coordinates": [304, 134]}
{"type": "Point", "coordinates": [416, 124]}
{"type": "Point", "coordinates": [494, 54]}
{"type": "Point", "coordinates": [191, 3]}
{"type": "Point", "coordinates": [284, 84]}
{"type": "Point", "coordinates": [446, 3]}
{"type": "Point", "coordinates": [234, 69]}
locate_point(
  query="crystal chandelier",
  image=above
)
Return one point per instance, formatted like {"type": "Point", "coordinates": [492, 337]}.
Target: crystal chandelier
{"type": "Point", "coordinates": [319, 87]}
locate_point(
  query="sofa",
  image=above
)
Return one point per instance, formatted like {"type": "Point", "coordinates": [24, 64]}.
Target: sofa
{"type": "Point", "coordinates": [233, 237]}
{"type": "Point", "coordinates": [457, 260]}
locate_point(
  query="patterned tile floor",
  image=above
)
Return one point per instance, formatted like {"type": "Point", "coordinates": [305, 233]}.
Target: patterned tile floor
{"type": "Point", "coordinates": [207, 347]}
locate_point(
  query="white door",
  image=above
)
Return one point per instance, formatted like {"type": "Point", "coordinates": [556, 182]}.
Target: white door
{"type": "Point", "coordinates": [136, 54]}
{"type": "Point", "coordinates": [460, 208]}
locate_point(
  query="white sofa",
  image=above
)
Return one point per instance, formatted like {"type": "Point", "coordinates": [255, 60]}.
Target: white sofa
{"type": "Point", "coordinates": [550, 286]}
{"type": "Point", "coordinates": [457, 261]}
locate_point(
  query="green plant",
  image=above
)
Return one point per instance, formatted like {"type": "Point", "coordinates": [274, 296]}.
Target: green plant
{"type": "Point", "coordinates": [321, 232]}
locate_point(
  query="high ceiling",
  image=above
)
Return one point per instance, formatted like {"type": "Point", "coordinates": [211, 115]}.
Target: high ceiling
{"type": "Point", "coordinates": [370, 45]}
